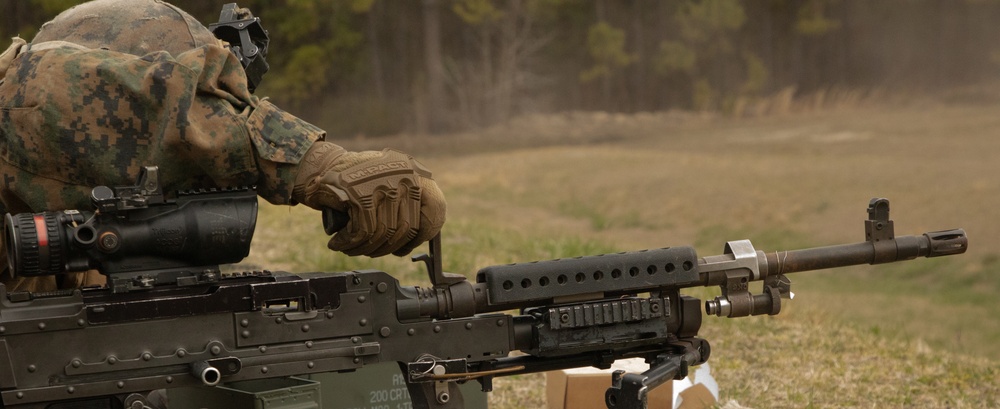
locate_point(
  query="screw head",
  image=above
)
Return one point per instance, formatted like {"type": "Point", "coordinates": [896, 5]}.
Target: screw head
{"type": "Point", "coordinates": [109, 241]}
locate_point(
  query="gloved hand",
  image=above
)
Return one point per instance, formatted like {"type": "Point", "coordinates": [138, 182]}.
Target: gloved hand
{"type": "Point", "coordinates": [392, 202]}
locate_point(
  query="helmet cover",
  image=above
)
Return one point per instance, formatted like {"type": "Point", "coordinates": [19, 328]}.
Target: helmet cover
{"type": "Point", "coordinates": [136, 27]}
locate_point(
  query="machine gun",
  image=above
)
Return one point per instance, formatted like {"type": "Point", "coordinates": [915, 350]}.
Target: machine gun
{"type": "Point", "coordinates": [169, 318]}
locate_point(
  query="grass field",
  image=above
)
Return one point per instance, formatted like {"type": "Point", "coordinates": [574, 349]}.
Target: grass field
{"type": "Point", "coordinates": [916, 334]}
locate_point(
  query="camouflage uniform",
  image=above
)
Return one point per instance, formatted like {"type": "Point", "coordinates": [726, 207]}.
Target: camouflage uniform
{"type": "Point", "coordinates": [73, 117]}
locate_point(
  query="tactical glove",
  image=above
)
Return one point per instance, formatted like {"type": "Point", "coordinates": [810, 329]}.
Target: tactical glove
{"type": "Point", "coordinates": [392, 203]}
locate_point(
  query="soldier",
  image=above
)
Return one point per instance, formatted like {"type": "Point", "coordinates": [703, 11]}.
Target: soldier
{"type": "Point", "coordinates": [110, 86]}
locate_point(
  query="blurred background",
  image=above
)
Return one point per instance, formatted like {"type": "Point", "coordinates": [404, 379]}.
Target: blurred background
{"type": "Point", "coordinates": [561, 128]}
{"type": "Point", "coordinates": [378, 67]}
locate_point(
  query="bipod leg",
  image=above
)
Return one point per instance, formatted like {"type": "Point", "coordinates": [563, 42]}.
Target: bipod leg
{"type": "Point", "coordinates": [629, 391]}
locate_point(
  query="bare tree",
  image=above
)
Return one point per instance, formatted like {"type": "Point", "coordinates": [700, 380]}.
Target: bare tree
{"type": "Point", "coordinates": [486, 83]}
{"type": "Point", "coordinates": [432, 59]}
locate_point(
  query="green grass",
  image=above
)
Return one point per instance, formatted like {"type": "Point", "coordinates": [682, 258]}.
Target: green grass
{"type": "Point", "coordinates": [710, 239]}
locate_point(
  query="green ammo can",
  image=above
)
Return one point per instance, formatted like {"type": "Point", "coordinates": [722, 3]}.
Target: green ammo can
{"type": "Point", "coordinates": [379, 386]}
{"type": "Point", "coordinates": [274, 393]}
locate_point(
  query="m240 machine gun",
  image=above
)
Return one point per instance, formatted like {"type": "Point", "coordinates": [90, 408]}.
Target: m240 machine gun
{"type": "Point", "coordinates": [169, 318]}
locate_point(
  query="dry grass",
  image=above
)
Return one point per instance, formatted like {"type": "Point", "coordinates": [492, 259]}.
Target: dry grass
{"type": "Point", "coordinates": [921, 335]}
{"type": "Point", "coordinates": [811, 359]}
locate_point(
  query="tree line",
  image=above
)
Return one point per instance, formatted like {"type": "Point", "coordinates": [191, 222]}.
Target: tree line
{"type": "Point", "coordinates": [386, 66]}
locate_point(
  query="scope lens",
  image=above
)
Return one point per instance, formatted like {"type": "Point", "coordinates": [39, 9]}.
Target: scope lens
{"type": "Point", "coordinates": [34, 244]}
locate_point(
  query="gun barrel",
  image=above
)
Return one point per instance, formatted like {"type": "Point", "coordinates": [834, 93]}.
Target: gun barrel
{"type": "Point", "coordinates": [932, 244]}
{"type": "Point", "coordinates": [741, 263]}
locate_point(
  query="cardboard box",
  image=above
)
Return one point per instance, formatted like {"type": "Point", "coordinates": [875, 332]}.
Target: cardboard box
{"type": "Point", "coordinates": [583, 388]}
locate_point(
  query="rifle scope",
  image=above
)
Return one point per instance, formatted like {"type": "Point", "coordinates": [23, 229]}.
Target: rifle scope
{"type": "Point", "coordinates": [134, 229]}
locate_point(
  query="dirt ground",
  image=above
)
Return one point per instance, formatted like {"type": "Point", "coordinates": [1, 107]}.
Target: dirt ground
{"type": "Point", "coordinates": [680, 172]}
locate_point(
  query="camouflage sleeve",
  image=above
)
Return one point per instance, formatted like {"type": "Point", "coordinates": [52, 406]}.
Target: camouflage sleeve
{"type": "Point", "coordinates": [85, 117]}
{"type": "Point", "coordinates": [281, 140]}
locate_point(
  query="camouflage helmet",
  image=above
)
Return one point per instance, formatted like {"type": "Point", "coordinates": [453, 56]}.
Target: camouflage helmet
{"type": "Point", "coordinates": [136, 27]}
